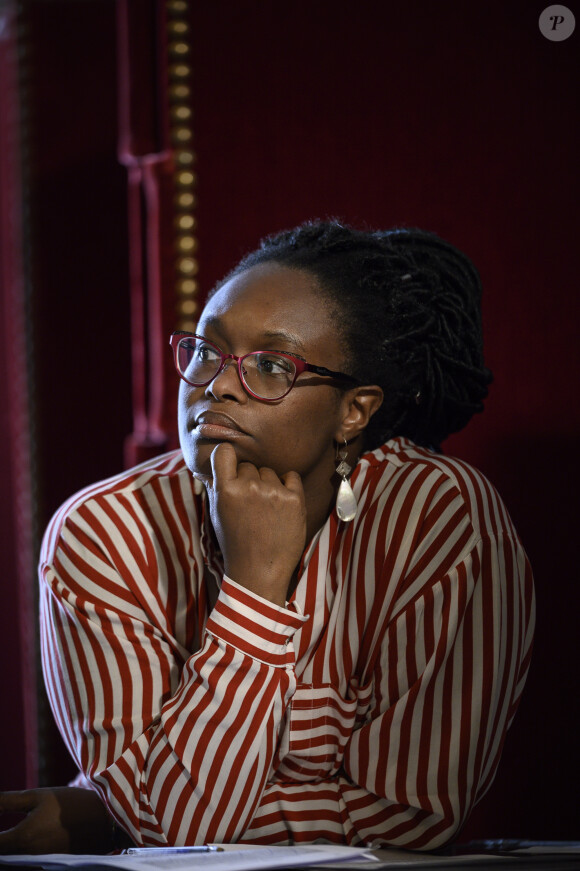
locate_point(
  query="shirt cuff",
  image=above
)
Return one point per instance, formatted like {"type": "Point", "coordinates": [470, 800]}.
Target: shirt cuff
{"type": "Point", "coordinates": [254, 625]}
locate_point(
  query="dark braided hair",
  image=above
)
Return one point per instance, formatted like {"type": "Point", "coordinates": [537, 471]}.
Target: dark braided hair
{"type": "Point", "coordinates": [407, 305]}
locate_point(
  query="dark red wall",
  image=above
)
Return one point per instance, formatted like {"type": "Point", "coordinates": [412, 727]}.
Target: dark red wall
{"type": "Point", "coordinates": [458, 119]}
{"type": "Point", "coordinates": [461, 119]}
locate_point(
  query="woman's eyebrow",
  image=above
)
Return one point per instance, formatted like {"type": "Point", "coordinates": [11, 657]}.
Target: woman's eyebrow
{"type": "Point", "coordinates": [266, 337]}
{"type": "Point", "coordinates": [212, 321]}
{"type": "Point", "coordinates": [284, 336]}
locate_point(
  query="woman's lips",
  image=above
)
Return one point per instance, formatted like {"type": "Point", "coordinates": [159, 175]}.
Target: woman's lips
{"type": "Point", "coordinates": [213, 425]}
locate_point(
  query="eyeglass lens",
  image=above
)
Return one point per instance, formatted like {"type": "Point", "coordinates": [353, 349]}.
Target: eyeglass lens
{"type": "Point", "coordinates": [268, 375]}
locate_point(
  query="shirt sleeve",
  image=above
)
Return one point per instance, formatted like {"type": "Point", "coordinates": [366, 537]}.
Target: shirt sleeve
{"type": "Point", "coordinates": [178, 747]}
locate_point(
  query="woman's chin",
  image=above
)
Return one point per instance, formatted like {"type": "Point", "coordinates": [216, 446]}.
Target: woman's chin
{"type": "Point", "coordinates": [198, 461]}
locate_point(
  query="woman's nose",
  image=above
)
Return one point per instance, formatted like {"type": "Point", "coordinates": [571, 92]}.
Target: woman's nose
{"type": "Point", "coordinates": [227, 382]}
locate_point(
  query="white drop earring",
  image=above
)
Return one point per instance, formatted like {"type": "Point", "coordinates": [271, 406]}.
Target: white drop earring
{"type": "Point", "coordinates": [345, 500]}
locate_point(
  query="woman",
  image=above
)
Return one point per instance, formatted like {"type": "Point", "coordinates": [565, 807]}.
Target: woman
{"type": "Point", "coordinates": [309, 624]}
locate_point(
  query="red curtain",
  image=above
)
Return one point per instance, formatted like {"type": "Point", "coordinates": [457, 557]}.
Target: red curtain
{"type": "Point", "coordinates": [17, 514]}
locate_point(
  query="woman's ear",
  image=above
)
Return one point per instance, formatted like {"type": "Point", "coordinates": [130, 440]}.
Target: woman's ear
{"type": "Point", "coordinates": [359, 405]}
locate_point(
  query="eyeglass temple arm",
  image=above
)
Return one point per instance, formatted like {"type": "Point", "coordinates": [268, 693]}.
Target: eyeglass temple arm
{"type": "Point", "coordinates": [322, 370]}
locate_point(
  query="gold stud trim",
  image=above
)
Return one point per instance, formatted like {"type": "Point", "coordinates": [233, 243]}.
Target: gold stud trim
{"type": "Point", "coordinates": [179, 51]}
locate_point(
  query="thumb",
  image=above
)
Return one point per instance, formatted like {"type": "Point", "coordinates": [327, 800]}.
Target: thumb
{"type": "Point", "coordinates": [224, 465]}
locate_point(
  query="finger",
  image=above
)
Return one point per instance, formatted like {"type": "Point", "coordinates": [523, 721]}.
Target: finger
{"type": "Point", "coordinates": [269, 475]}
{"type": "Point", "coordinates": [18, 801]}
{"type": "Point", "coordinates": [293, 482]}
{"type": "Point", "coordinates": [224, 465]}
{"type": "Point", "coordinates": [248, 471]}
{"type": "Point", "coordinates": [15, 802]}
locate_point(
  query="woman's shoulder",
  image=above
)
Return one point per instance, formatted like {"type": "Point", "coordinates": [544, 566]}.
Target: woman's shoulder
{"type": "Point", "coordinates": [401, 465]}
{"type": "Point", "coordinates": [138, 486]}
{"type": "Point", "coordinates": [403, 453]}
{"type": "Point", "coordinates": [165, 466]}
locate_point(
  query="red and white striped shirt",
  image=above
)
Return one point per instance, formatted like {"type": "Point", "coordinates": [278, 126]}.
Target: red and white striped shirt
{"type": "Point", "coordinates": [372, 708]}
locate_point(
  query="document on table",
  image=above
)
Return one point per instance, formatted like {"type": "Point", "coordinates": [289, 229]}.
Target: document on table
{"type": "Point", "coordinates": [234, 857]}
{"type": "Point", "coordinates": [224, 858]}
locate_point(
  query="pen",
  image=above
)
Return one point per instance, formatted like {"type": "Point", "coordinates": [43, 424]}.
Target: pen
{"type": "Point", "coordinates": [162, 851]}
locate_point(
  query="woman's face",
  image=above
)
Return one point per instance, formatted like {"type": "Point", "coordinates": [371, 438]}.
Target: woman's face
{"type": "Point", "coordinates": [267, 307]}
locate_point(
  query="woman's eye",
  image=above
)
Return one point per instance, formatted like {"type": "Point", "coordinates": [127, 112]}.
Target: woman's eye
{"type": "Point", "coordinates": [270, 364]}
{"type": "Point", "coordinates": [206, 354]}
